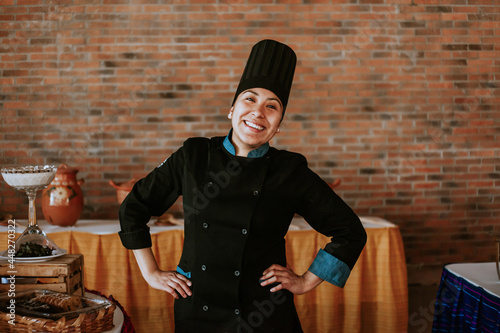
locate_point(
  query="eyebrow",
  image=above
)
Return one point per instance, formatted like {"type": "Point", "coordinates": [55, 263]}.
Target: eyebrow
{"type": "Point", "coordinates": [271, 98]}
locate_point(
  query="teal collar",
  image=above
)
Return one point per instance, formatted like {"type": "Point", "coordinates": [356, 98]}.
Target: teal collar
{"type": "Point", "coordinates": [259, 152]}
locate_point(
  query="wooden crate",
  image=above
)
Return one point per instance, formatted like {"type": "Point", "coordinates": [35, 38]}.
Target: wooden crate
{"type": "Point", "coordinates": [62, 274]}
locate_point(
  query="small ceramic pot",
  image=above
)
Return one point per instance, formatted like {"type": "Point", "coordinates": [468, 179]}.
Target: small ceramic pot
{"type": "Point", "coordinates": [62, 199]}
{"type": "Point", "coordinates": [123, 189]}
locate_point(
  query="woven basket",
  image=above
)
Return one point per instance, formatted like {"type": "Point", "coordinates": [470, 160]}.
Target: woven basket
{"type": "Point", "coordinates": [91, 322]}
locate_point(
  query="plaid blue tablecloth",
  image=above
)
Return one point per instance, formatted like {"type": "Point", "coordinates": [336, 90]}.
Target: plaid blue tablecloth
{"type": "Point", "coordinates": [462, 306]}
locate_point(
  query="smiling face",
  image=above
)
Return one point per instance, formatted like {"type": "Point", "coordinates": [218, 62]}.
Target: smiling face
{"type": "Point", "coordinates": [256, 117]}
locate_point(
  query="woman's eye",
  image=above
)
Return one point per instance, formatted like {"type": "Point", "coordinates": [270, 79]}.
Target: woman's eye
{"type": "Point", "coordinates": [272, 107]}
{"type": "Point", "coordinates": [250, 99]}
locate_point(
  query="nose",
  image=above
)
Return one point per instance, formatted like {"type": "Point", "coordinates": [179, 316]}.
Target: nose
{"type": "Point", "coordinates": [258, 110]}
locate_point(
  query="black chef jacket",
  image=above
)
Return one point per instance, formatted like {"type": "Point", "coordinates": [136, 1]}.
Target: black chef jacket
{"type": "Point", "coordinates": [237, 211]}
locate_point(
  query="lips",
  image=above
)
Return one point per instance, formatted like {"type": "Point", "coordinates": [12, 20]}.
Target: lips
{"type": "Point", "coordinates": [253, 125]}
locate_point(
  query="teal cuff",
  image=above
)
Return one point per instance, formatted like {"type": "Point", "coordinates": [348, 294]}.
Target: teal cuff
{"type": "Point", "coordinates": [330, 269]}
{"type": "Point", "coordinates": [181, 271]}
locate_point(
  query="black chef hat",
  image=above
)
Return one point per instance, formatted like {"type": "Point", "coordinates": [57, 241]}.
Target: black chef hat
{"type": "Point", "coordinates": [271, 66]}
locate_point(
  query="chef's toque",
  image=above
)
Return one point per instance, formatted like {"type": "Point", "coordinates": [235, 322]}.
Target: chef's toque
{"type": "Point", "coordinates": [271, 66]}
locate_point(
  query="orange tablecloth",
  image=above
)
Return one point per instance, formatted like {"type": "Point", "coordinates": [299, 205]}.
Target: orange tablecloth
{"type": "Point", "coordinates": [375, 298]}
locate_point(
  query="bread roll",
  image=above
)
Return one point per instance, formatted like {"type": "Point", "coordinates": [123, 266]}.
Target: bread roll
{"type": "Point", "coordinates": [63, 302]}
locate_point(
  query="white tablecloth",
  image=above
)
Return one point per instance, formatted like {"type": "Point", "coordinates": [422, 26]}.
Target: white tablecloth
{"type": "Point", "coordinates": [482, 274]}
{"type": "Point", "coordinates": [106, 227]}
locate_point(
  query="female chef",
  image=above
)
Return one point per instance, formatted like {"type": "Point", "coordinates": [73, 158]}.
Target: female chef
{"type": "Point", "coordinates": [239, 197]}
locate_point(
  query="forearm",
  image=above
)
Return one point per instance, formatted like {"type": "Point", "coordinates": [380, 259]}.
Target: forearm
{"type": "Point", "coordinates": [311, 281]}
{"type": "Point", "coordinates": [146, 261]}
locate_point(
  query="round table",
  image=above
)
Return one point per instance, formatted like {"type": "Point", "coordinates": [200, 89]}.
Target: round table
{"type": "Point", "coordinates": [375, 297]}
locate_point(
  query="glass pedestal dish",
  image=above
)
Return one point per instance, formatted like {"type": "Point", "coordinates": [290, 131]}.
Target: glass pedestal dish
{"type": "Point", "coordinates": [33, 243]}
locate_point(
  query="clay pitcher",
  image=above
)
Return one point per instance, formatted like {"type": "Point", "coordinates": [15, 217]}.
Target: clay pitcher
{"type": "Point", "coordinates": [62, 200]}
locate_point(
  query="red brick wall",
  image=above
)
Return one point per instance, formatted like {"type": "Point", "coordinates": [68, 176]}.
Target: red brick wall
{"type": "Point", "coordinates": [397, 98]}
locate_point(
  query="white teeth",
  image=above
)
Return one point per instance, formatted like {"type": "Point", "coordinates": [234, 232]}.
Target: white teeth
{"type": "Point", "coordinates": [260, 128]}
